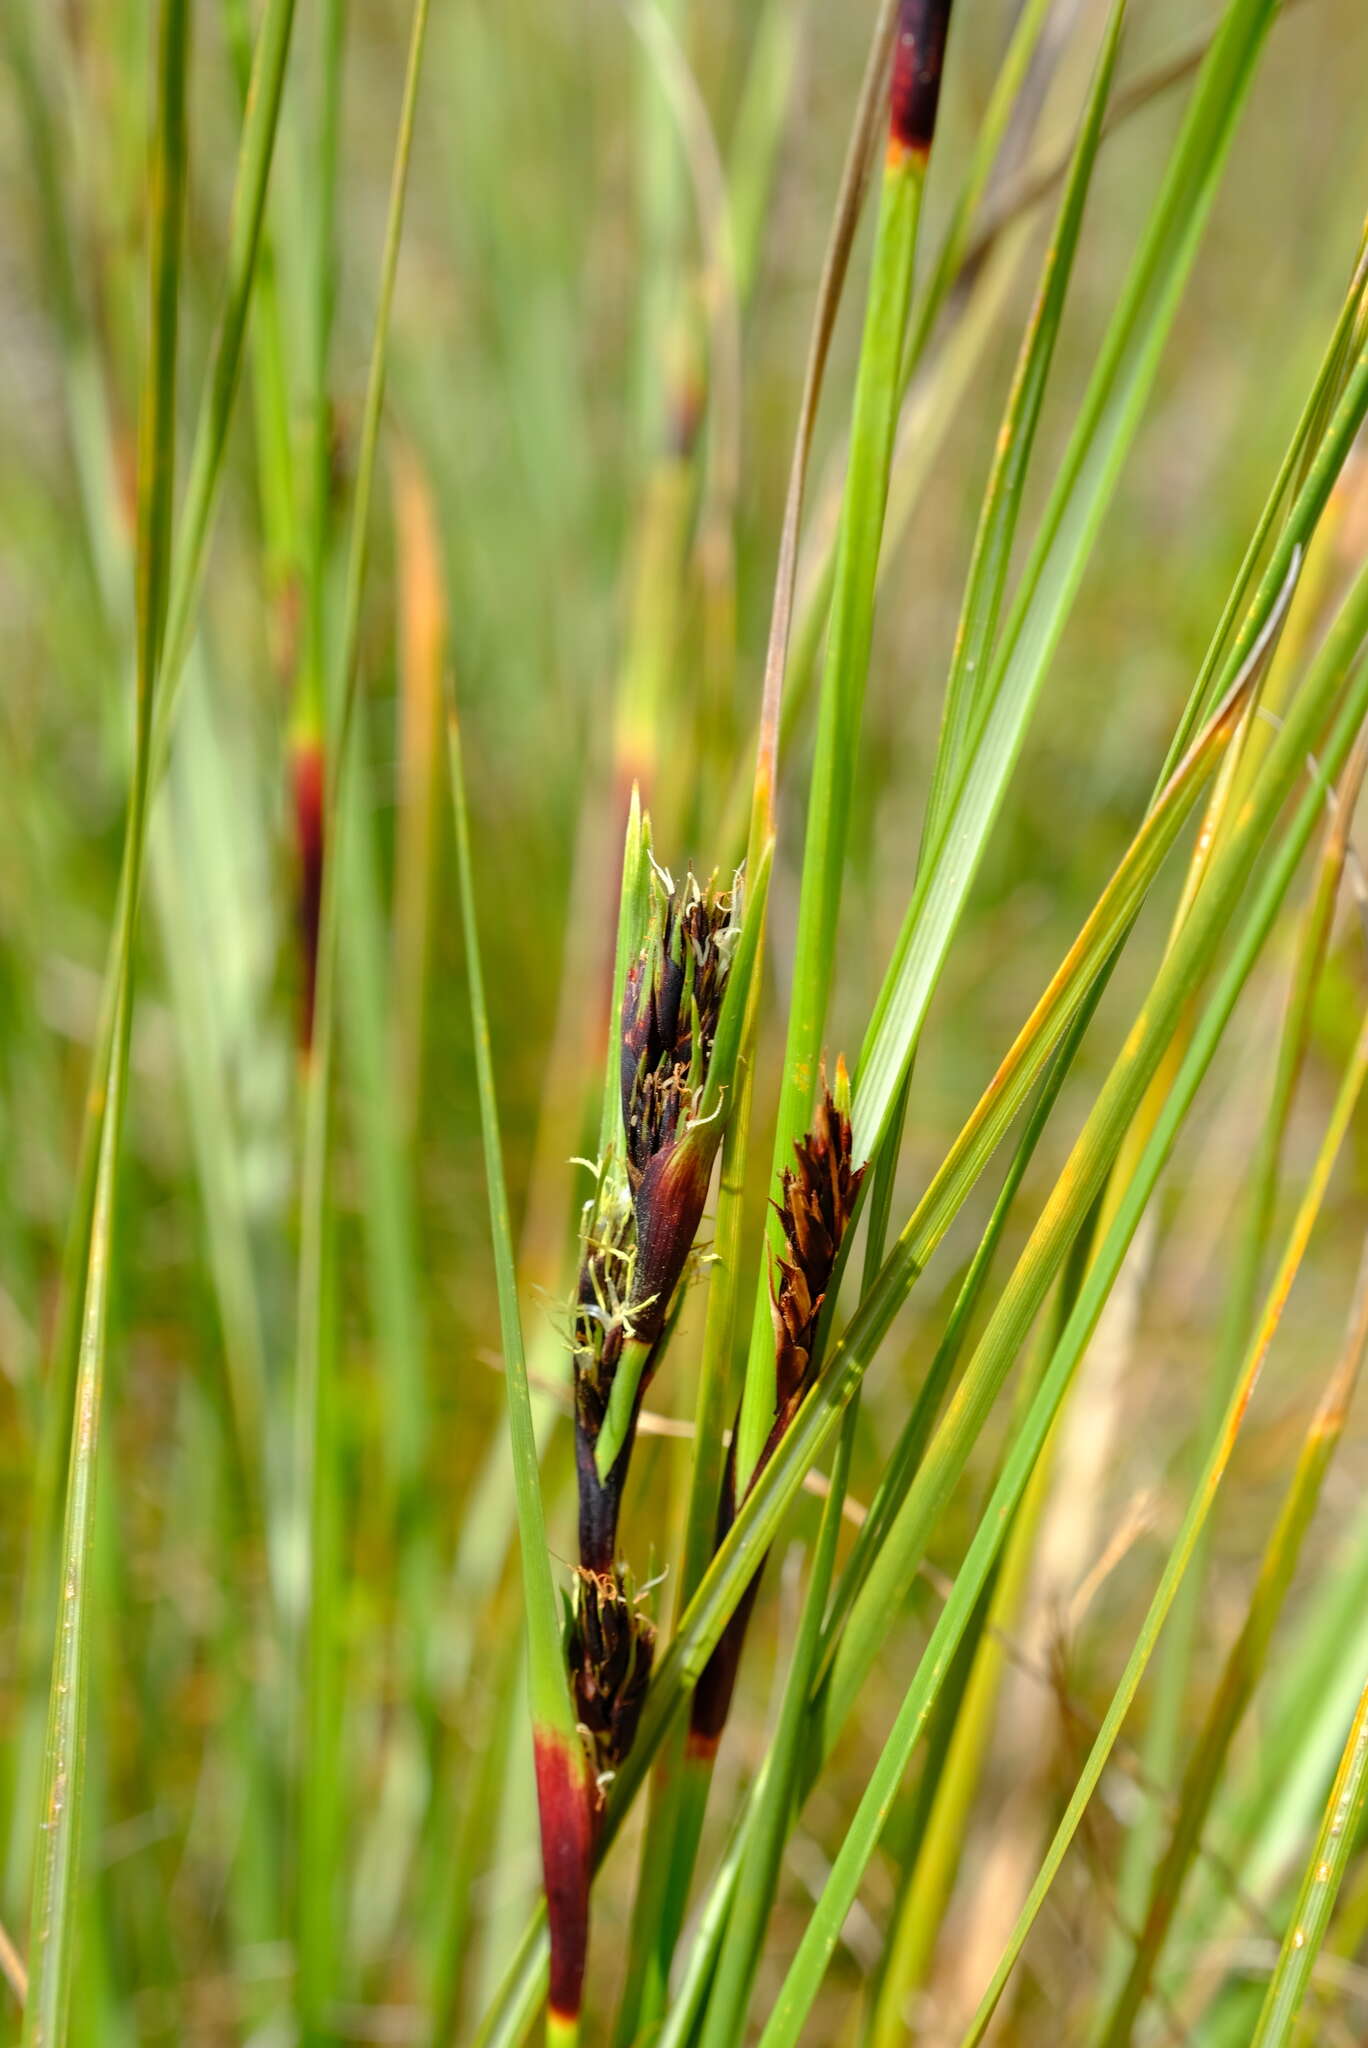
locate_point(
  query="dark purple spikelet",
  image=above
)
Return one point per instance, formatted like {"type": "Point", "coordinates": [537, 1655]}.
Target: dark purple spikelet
{"type": "Point", "coordinates": [609, 1648]}
{"type": "Point", "coordinates": [918, 57]}
{"type": "Point", "coordinates": [640, 1226]}
{"type": "Point", "coordinates": [815, 1212]}
{"type": "Point", "coordinates": [817, 1206]}
{"type": "Point", "coordinates": [671, 1006]}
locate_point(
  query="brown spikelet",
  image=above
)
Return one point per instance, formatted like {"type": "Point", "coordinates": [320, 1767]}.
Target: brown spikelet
{"type": "Point", "coordinates": [609, 1648]}
{"type": "Point", "coordinates": [817, 1206]}
{"type": "Point", "coordinates": [818, 1201]}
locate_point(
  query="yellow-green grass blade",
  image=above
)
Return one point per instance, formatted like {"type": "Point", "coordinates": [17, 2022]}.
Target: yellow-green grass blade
{"type": "Point", "coordinates": [57, 1886]}
{"type": "Point", "coordinates": [1163, 1883]}
{"type": "Point", "coordinates": [1092, 1159]}
{"type": "Point", "coordinates": [950, 1778]}
{"type": "Point", "coordinates": [1199, 1508]}
{"type": "Point", "coordinates": [1105, 426]}
{"type": "Point", "coordinates": [1082, 1180]}
{"type": "Point", "coordinates": [832, 787]}
{"type": "Point", "coordinates": [1274, 583]}
{"type": "Point", "coordinates": [1170, 1682]}
{"type": "Point", "coordinates": [907, 1453]}
{"type": "Point", "coordinates": [1006, 484]}
{"type": "Point", "coordinates": [984, 254]}
{"type": "Point", "coordinates": [770, 1810]}
{"type": "Point", "coordinates": [1242, 1670]}
{"type": "Point", "coordinates": [1262, 1817]}
{"type": "Point", "coordinates": [1308, 438]}
{"type": "Point", "coordinates": [553, 1719]}
{"type": "Point", "coordinates": [768, 1821]}
{"type": "Point", "coordinates": [1320, 1888]}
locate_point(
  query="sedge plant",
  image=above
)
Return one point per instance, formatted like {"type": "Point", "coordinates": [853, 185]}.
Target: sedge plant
{"type": "Point", "coordinates": [886, 492]}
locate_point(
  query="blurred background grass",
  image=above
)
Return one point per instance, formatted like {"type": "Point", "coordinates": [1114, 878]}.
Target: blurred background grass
{"type": "Point", "coordinates": [533, 374]}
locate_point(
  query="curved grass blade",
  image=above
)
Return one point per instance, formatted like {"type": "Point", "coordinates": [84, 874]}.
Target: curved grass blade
{"type": "Point", "coordinates": [1184, 964]}
{"type": "Point", "coordinates": [1106, 425]}
{"type": "Point", "coordinates": [1003, 493]}
{"type": "Point", "coordinates": [1242, 1671]}
{"type": "Point", "coordinates": [768, 1820]}
{"type": "Point", "coordinates": [1335, 1845]}
{"type": "Point", "coordinates": [1164, 1881]}
{"type": "Point", "coordinates": [1307, 602]}
{"type": "Point", "coordinates": [566, 1793]}
{"type": "Point", "coordinates": [56, 1876]}
{"type": "Point", "coordinates": [924, 409]}
{"type": "Point", "coordinates": [1198, 1511]}
{"type": "Point", "coordinates": [922, 30]}
{"type": "Point", "coordinates": [1082, 1180]}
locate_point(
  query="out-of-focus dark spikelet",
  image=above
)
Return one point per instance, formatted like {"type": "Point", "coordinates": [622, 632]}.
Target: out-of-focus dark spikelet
{"type": "Point", "coordinates": [307, 779]}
